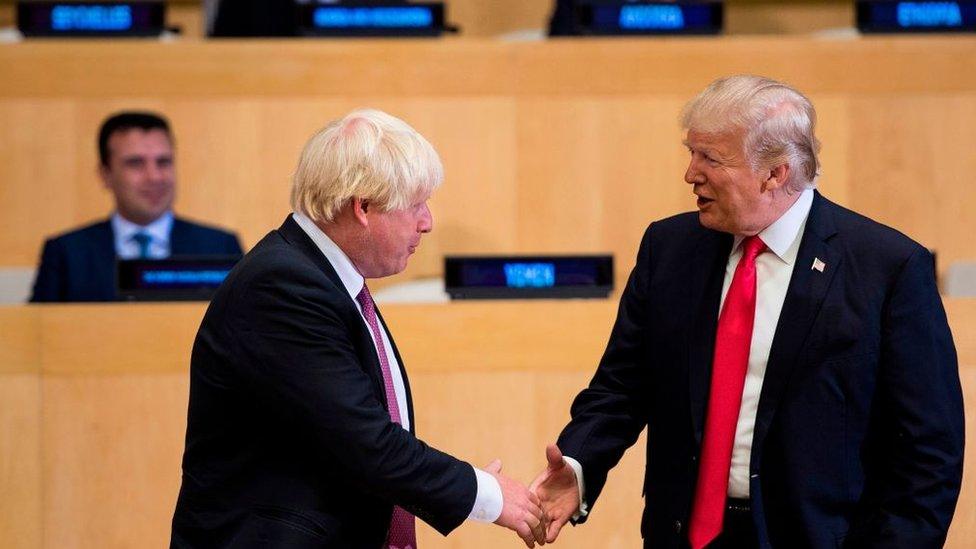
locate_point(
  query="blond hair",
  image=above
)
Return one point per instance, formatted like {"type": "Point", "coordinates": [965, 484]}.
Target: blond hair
{"type": "Point", "coordinates": [778, 122]}
{"type": "Point", "coordinates": [367, 154]}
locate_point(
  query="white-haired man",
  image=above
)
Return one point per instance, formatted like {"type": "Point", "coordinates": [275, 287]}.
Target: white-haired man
{"type": "Point", "coordinates": [300, 430]}
{"type": "Point", "coordinates": [790, 358]}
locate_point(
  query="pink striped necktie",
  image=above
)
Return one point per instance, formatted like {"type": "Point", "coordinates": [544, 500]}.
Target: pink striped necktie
{"type": "Point", "coordinates": [403, 533]}
{"type": "Point", "coordinates": [733, 339]}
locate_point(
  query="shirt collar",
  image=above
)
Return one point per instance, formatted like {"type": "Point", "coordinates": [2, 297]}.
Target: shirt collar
{"type": "Point", "coordinates": [782, 236]}
{"type": "Point", "coordinates": [348, 274]}
{"type": "Point", "coordinates": [159, 229]}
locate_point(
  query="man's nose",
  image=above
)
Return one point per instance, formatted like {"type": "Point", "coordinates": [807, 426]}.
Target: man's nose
{"type": "Point", "coordinates": [692, 174]}
{"type": "Point", "coordinates": [426, 220]}
{"type": "Point", "coordinates": [154, 171]}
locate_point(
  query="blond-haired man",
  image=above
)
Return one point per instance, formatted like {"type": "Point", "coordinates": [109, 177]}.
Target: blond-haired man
{"type": "Point", "coordinates": [301, 427]}
{"type": "Point", "coordinates": [790, 359]}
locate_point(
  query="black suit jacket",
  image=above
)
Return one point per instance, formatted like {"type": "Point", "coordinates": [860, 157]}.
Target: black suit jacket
{"type": "Point", "coordinates": [289, 441]}
{"type": "Point", "coordinates": [80, 265]}
{"type": "Point", "coordinates": [858, 438]}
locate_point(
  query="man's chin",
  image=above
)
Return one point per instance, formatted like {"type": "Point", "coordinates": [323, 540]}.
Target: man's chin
{"type": "Point", "coordinates": [709, 222]}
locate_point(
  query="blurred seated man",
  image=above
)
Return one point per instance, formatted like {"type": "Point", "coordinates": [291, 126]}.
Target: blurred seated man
{"type": "Point", "coordinates": [137, 165]}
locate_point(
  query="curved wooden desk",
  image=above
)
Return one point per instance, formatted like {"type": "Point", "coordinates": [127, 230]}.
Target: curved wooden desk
{"type": "Point", "coordinates": [93, 411]}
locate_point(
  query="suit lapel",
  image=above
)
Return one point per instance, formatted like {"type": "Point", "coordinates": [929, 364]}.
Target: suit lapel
{"type": "Point", "coordinates": [179, 242]}
{"type": "Point", "coordinates": [104, 258]}
{"type": "Point", "coordinates": [709, 260]}
{"type": "Point", "coordinates": [297, 237]}
{"type": "Point", "coordinates": [807, 289]}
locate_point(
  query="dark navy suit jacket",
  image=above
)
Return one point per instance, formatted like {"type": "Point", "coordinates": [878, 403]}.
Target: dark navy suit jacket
{"type": "Point", "coordinates": [289, 441]}
{"type": "Point", "coordinates": [858, 437]}
{"type": "Point", "coordinates": [80, 265]}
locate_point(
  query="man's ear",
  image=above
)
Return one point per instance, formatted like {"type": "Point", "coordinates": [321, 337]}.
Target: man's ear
{"type": "Point", "coordinates": [103, 175]}
{"type": "Point", "coordinates": [776, 177]}
{"type": "Point", "coordinates": [360, 208]}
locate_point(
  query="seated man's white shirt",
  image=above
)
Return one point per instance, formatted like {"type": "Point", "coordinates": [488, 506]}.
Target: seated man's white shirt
{"type": "Point", "coordinates": [158, 231]}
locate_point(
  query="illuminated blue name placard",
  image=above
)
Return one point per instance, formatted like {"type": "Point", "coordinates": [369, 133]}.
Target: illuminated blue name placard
{"type": "Point", "coordinates": [380, 17]}
{"type": "Point", "coordinates": [651, 18]}
{"type": "Point", "coordinates": [184, 278]}
{"type": "Point", "coordinates": [530, 275]}
{"type": "Point", "coordinates": [91, 18]}
{"type": "Point", "coordinates": [912, 17]}
{"type": "Point", "coordinates": [929, 14]}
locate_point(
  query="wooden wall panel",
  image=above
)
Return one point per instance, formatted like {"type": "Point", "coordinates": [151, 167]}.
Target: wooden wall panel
{"type": "Point", "coordinates": [90, 449]}
{"type": "Point", "coordinates": [913, 181]}
{"type": "Point", "coordinates": [548, 147]}
{"type": "Point", "coordinates": [111, 463]}
{"type": "Point", "coordinates": [20, 458]}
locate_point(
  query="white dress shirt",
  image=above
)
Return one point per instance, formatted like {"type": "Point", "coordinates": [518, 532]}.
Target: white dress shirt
{"type": "Point", "coordinates": [774, 268]}
{"type": "Point", "coordinates": [158, 231]}
{"type": "Point", "coordinates": [488, 503]}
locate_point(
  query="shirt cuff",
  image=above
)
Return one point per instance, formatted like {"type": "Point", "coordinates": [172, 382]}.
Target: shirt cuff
{"type": "Point", "coordinates": [578, 469]}
{"type": "Point", "coordinates": [489, 501]}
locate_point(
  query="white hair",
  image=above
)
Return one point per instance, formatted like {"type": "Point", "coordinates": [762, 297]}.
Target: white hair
{"type": "Point", "coordinates": [367, 154]}
{"type": "Point", "coordinates": [778, 122]}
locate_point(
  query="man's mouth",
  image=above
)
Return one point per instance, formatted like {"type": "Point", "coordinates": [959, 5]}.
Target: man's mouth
{"type": "Point", "coordinates": [702, 201]}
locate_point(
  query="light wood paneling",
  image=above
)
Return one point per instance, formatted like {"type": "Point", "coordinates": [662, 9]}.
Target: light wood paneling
{"type": "Point", "coordinates": [548, 147]}
{"type": "Point", "coordinates": [82, 340]}
{"type": "Point", "coordinates": [111, 461]}
{"type": "Point", "coordinates": [90, 452]}
{"type": "Point", "coordinates": [19, 341]}
{"type": "Point", "coordinates": [20, 461]}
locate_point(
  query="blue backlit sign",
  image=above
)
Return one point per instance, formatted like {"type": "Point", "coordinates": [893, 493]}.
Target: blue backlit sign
{"type": "Point", "coordinates": [380, 17]}
{"type": "Point", "coordinates": [184, 278]}
{"type": "Point", "coordinates": [608, 17]}
{"type": "Point", "coordinates": [530, 275]}
{"type": "Point", "coordinates": [91, 18]}
{"type": "Point", "coordinates": [654, 17]}
{"type": "Point", "coordinates": [88, 19]}
{"type": "Point", "coordinates": [895, 17]}
{"type": "Point", "coordinates": [929, 14]}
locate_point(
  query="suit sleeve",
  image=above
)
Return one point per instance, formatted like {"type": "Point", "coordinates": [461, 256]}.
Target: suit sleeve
{"type": "Point", "coordinates": [306, 372]}
{"type": "Point", "coordinates": [609, 414]}
{"type": "Point", "coordinates": [912, 489]}
{"type": "Point", "coordinates": [50, 279]}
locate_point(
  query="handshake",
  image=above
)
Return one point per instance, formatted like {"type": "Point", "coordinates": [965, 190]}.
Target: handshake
{"type": "Point", "coordinates": [538, 512]}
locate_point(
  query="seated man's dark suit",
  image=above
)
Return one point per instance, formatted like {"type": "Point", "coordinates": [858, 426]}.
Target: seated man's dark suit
{"type": "Point", "coordinates": [858, 438]}
{"type": "Point", "coordinates": [80, 265]}
{"type": "Point", "coordinates": [289, 440]}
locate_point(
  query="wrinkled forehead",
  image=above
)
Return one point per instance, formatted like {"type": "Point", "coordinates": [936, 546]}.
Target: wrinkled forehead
{"type": "Point", "coordinates": [726, 141]}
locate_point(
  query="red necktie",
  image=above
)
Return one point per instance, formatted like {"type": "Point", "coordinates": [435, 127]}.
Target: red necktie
{"type": "Point", "coordinates": [402, 533]}
{"type": "Point", "coordinates": [732, 341]}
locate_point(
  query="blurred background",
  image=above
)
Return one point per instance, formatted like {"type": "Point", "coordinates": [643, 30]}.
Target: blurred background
{"type": "Point", "coordinates": [551, 145]}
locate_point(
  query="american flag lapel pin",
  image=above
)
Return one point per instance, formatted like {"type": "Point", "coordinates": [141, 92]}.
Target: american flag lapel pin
{"type": "Point", "coordinates": [818, 265]}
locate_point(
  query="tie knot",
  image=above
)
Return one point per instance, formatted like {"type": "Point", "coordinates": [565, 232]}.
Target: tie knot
{"type": "Point", "coordinates": [143, 240]}
{"type": "Point", "coordinates": [752, 247]}
{"type": "Point", "coordinates": [365, 299]}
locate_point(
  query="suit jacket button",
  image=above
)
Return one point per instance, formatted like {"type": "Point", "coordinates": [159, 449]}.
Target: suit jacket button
{"type": "Point", "coordinates": [677, 527]}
